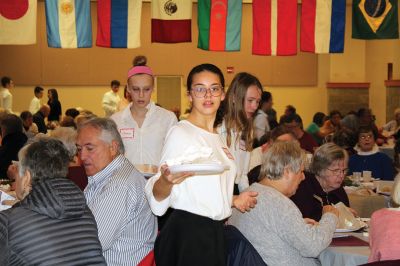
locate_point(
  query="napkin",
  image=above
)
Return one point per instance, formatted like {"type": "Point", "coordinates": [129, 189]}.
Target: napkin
{"type": "Point", "coordinates": [347, 219]}
{"type": "Point", "coordinates": [195, 155]}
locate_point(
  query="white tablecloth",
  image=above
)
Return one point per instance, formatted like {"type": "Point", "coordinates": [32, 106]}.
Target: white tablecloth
{"type": "Point", "coordinates": [345, 256]}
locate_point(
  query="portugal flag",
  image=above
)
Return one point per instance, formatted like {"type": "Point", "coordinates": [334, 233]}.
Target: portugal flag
{"type": "Point", "coordinates": [219, 24]}
{"type": "Point", "coordinates": [375, 19]}
{"type": "Point", "coordinates": [18, 21]}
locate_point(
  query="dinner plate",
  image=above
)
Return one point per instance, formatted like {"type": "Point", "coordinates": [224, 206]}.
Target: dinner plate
{"type": "Point", "coordinates": [361, 224]}
{"type": "Point", "coordinates": [198, 169]}
{"type": "Point", "coordinates": [346, 230]}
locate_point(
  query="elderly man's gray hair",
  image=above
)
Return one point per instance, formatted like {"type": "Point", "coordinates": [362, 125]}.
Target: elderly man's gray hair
{"type": "Point", "coordinates": [109, 131]}
{"type": "Point", "coordinates": [45, 158]}
{"type": "Point", "coordinates": [281, 156]}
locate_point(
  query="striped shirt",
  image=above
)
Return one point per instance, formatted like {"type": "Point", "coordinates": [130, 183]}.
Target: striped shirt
{"type": "Point", "coordinates": [127, 228]}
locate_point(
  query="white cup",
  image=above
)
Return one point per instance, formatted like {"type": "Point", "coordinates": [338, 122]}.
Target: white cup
{"type": "Point", "coordinates": [367, 175]}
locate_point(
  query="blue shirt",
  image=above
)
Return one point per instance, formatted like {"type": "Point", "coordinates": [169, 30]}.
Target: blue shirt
{"type": "Point", "coordinates": [127, 228]}
{"type": "Point", "coordinates": [378, 163]}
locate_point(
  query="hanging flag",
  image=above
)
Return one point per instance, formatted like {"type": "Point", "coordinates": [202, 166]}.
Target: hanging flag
{"type": "Point", "coordinates": [18, 21]}
{"type": "Point", "coordinates": [171, 21]}
{"type": "Point", "coordinates": [322, 26]}
{"type": "Point", "coordinates": [274, 27]}
{"type": "Point", "coordinates": [219, 23]}
{"type": "Point", "coordinates": [68, 23]}
{"type": "Point", "coordinates": [375, 19]}
{"type": "Point", "coordinates": [118, 23]}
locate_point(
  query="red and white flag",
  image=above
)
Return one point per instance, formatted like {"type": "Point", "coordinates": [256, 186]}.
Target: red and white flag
{"type": "Point", "coordinates": [274, 27]}
{"type": "Point", "coordinates": [171, 21]}
{"type": "Point", "coordinates": [18, 21]}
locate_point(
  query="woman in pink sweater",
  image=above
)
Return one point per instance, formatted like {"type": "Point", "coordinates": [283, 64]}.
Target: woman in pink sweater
{"type": "Point", "coordinates": [385, 230]}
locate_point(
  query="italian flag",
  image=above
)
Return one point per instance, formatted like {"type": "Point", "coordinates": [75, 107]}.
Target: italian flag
{"type": "Point", "coordinates": [274, 27]}
{"type": "Point", "coordinates": [219, 23]}
{"type": "Point", "coordinates": [171, 21]}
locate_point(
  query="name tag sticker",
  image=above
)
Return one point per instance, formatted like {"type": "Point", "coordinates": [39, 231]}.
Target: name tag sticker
{"type": "Point", "coordinates": [127, 133]}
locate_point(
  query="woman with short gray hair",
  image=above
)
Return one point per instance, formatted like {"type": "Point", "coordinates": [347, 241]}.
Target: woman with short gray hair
{"type": "Point", "coordinates": [275, 227]}
{"type": "Point", "coordinates": [52, 213]}
{"type": "Point", "coordinates": [323, 184]}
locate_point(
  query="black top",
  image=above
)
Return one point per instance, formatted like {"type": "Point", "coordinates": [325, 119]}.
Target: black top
{"type": "Point", "coordinates": [55, 110]}
{"type": "Point", "coordinates": [11, 144]}
{"type": "Point", "coordinates": [309, 204]}
{"type": "Point", "coordinates": [51, 226]}
{"type": "Point", "coordinates": [38, 119]}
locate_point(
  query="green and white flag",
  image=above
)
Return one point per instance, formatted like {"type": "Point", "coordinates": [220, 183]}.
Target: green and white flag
{"type": "Point", "coordinates": [375, 19]}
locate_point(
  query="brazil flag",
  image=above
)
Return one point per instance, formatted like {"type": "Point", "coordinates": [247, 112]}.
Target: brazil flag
{"type": "Point", "coordinates": [375, 19]}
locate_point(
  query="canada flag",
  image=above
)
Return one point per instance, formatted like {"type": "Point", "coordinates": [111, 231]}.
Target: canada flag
{"type": "Point", "coordinates": [18, 21]}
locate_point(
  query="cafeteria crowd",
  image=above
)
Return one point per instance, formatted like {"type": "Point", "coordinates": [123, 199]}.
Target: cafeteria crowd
{"type": "Point", "coordinates": [227, 184]}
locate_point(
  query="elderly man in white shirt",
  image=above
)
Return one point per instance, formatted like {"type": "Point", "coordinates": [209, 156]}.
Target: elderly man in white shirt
{"type": "Point", "coordinates": [115, 194]}
{"type": "Point", "coordinates": [111, 99]}
{"type": "Point", "coordinates": [36, 100]}
{"type": "Point", "coordinates": [5, 94]}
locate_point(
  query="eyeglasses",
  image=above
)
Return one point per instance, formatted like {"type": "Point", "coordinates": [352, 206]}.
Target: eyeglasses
{"type": "Point", "coordinates": [364, 137]}
{"type": "Point", "coordinates": [338, 171]}
{"type": "Point", "coordinates": [201, 91]}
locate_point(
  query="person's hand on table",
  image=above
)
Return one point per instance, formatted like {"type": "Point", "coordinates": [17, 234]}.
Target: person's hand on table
{"type": "Point", "coordinates": [330, 209]}
{"type": "Point", "coordinates": [245, 201]}
{"type": "Point", "coordinates": [310, 221]}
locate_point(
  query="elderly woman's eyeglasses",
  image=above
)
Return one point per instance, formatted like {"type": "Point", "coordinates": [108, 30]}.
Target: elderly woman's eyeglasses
{"type": "Point", "coordinates": [338, 171]}
{"type": "Point", "coordinates": [365, 137]}
{"type": "Point", "coordinates": [201, 91]}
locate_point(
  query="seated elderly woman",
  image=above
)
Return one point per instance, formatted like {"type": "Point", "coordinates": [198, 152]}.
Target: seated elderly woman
{"type": "Point", "coordinates": [369, 158]}
{"type": "Point", "coordinates": [51, 225]}
{"type": "Point", "coordinates": [323, 184]}
{"type": "Point", "coordinates": [384, 233]}
{"type": "Point", "coordinates": [275, 227]}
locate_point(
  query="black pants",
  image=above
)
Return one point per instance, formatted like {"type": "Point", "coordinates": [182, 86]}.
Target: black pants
{"type": "Point", "coordinates": [190, 239]}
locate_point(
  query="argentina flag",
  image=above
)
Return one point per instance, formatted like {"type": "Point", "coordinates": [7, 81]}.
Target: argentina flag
{"type": "Point", "coordinates": [68, 23]}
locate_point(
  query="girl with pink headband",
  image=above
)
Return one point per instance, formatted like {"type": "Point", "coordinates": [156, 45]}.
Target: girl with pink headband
{"type": "Point", "coordinates": [142, 124]}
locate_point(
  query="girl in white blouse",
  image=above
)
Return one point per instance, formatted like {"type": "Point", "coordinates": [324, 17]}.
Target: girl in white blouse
{"type": "Point", "coordinates": [193, 234]}
{"type": "Point", "coordinates": [238, 109]}
{"type": "Point", "coordinates": [142, 124]}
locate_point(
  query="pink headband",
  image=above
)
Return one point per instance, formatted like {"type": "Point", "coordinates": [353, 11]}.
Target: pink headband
{"type": "Point", "coordinates": [140, 70]}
